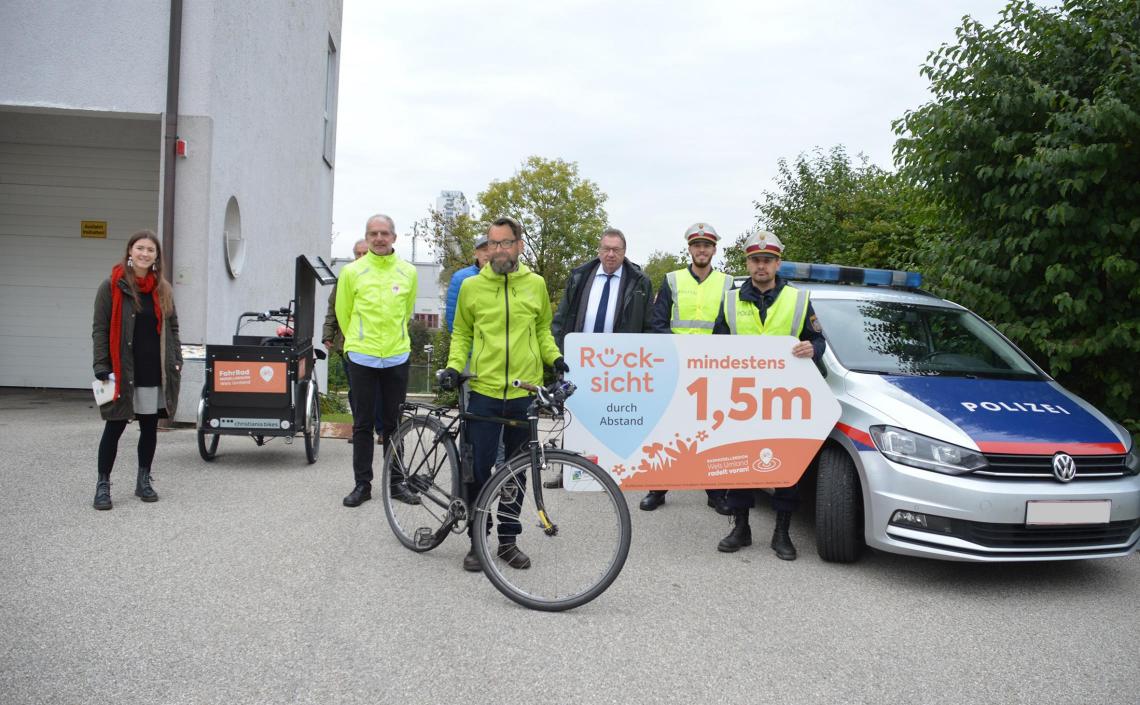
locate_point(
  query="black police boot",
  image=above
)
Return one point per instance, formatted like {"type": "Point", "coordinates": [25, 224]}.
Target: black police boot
{"type": "Point", "coordinates": [103, 492]}
{"type": "Point", "coordinates": [652, 501]}
{"type": "Point", "coordinates": [718, 501]}
{"type": "Point", "coordinates": [740, 536]}
{"type": "Point", "coordinates": [781, 542]}
{"type": "Point", "coordinates": [143, 490]}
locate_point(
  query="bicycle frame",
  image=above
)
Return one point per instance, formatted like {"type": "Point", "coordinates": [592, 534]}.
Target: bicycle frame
{"type": "Point", "coordinates": [456, 430]}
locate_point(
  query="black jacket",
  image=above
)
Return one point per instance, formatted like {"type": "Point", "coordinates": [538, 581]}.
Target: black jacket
{"type": "Point", "coordinates": [635, 301]}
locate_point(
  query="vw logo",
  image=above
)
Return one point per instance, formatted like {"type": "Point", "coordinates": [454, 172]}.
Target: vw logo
{"type": "Point", "coordinates": [1064, 467]}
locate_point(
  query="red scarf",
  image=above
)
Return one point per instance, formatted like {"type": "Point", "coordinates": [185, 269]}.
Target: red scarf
{"type": "Point", "coordinates": [146, 285]}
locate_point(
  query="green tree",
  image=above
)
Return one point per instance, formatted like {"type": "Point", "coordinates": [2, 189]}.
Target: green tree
{"type": "Point", "coordinates": [420, 336]}
{"type": "Point", "coordinates": [1032, 145]}
{"type": "Point", "coordinates": [453, 240]}
{"type": "Point", "coordinates": [661, 263]}
{"type": "Point", "coordinates": [828, 208]}
{"type": "Point", "coordinates": [561, 212]}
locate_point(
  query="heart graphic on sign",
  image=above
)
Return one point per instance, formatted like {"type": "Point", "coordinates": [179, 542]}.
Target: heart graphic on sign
{"type": "Point", "coordinates": [623, 387]}
{"type": "Point", "coordinates": [266, 373]}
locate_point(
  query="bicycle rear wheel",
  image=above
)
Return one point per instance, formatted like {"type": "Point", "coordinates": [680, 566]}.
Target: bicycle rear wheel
{"type": "Point", "coordinates": [569, 565]}
{"type": "Point", "coordinates": [420, 483]}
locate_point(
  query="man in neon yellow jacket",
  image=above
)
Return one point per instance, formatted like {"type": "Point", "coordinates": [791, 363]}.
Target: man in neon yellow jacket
{"type": "Point", "coordinates": [375, 296]}
{"type": "Point", "coordinates": [502, 320]}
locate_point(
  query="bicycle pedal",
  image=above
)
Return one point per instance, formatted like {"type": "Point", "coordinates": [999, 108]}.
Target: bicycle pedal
{"type": "Point", "coordinates": [424, 537]}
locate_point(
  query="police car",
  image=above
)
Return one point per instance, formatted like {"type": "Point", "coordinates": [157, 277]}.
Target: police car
{"type": "Point", "coordinates": [952, 443]}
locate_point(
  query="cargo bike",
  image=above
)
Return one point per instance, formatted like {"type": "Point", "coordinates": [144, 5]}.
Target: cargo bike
{"type": "Point", "coordinates": [262, 386]}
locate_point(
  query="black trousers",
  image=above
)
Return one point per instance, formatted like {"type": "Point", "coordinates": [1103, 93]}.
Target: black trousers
{"type": "Point", "coordinates": [784, 499]}
{"type": "Point", "coordinates": [113, 430]}
{"type": "Point", "coordinates": [391, 383]}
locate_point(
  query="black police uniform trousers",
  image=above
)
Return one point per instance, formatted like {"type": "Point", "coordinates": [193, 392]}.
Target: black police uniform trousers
{"type": "Point", "coordinates": [784, 499]}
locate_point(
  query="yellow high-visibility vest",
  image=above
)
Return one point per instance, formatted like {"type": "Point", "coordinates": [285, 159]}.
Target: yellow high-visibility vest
{"type": "Point", "coordinates": [695, 304]}
{"type": "Point", "coordinates": [785, 316]}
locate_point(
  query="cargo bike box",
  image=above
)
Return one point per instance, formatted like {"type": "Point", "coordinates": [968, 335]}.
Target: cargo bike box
{"type": "Point", "coordinates": [262, 386]}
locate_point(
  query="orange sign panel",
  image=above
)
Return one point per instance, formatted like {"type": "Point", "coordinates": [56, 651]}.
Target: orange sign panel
{"type": "Point", "coordinates": [250, 377]}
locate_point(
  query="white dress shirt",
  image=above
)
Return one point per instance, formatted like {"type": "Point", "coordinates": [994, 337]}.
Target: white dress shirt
{"type": "Point", "coordinates": [596, 297]}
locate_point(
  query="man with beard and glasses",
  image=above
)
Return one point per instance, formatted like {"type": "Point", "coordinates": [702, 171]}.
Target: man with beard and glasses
{"type": "Point", "coordinates": [502, 325]}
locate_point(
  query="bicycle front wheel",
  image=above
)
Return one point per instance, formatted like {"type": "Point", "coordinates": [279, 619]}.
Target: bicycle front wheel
{"type": "Point", "coordinates": [420, 483]}
{"type": "Point", "coordinates": [565, 565]}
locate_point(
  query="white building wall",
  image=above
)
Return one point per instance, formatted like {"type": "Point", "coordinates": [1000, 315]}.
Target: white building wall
{"type": "Point", "coordinates": [103, 56]}
{"type": "Point", "coordinates": [251, 107]}
{"type": "Point", "coordinates": [252, 113]}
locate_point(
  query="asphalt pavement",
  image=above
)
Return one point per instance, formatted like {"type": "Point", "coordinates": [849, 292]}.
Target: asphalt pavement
{"type": "Point", "coordinates": [248, 582]}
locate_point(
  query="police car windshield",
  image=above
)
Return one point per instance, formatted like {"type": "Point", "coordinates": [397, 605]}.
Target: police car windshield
{"type": "Point", "coordinates": [888, 337]}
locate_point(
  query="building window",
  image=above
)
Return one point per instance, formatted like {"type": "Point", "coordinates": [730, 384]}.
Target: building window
{"type": "Point", "coordinates": [431, 320]}
{"type": "Point", "coordinates": [234, 244]}
{"type": "Point", "coordinates": [330, 103]}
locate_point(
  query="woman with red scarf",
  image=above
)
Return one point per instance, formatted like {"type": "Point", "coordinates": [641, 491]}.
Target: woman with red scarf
{"type": "Point", "coordinates": [135, 342]}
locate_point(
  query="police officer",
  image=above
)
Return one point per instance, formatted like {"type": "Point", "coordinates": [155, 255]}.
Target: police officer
{"type": "Point", "coordinates": [688, 304]}
{"type": "Point", "coordinates": [767, 305]}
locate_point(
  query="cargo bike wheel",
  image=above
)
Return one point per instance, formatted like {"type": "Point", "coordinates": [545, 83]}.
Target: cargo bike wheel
{"type": "Point", "coordinates": [420, 484]}
{"type": "Point", "coordinates": [313, 423]}
{"type": "Point", "coordinates": [207, 442]}
{"type": "Point", "coordinates": [576, 545]}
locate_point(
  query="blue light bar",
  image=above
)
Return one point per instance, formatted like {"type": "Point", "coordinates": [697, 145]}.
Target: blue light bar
{"type": "Point", "coordinates": [803, 271]}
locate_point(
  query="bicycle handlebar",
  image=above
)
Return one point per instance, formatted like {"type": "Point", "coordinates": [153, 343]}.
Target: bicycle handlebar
{"type": "Point", "coordinates": [552, 396]}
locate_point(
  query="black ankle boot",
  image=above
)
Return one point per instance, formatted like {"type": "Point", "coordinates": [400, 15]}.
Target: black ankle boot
{"type": "Point", "coordinates": [740, 536]}
{"type": "Point", "coordinates": [781, 542]}
{"type": "Point", "coordinates": [103, 492]}
{"type": "Point", "coordinates": [143, 490]}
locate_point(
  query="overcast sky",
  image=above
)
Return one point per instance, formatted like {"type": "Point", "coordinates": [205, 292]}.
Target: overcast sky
{"type": "Point", "coordinates": [678, 110]}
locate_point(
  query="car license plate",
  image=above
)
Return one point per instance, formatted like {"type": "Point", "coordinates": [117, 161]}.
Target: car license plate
{"type": "Point", "coordinates": [1079, 511]}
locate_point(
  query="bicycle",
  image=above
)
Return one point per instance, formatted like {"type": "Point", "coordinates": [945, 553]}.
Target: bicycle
{"type": "Point", "coordinates": [584, 529]}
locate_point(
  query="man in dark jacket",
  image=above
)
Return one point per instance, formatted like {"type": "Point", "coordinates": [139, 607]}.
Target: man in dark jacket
{"type": "Point", "coordinates": [608, 294]}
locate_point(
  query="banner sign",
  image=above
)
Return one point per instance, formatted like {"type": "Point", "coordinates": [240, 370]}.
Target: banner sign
{"type": "Point", "coordinates": [257, 377]}
{"type": "Point", "coordinates": [696, 411]}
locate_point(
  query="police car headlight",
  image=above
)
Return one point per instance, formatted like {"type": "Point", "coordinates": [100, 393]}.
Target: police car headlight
{"type": "Point", "coordinates": [1132, 462]}
{"type": "Point", "coordinates": [920, 451]}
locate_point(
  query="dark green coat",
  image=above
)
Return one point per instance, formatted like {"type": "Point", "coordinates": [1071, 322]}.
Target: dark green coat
{"type": "Point", "coordinates": [169, 345]}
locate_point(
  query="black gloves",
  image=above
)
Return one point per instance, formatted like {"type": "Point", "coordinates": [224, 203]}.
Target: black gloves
{"type": "Point", "coordinates": [448, 379]}
{"type": "Point", "coordinates": [102, 375]}
{"type": "Point", "coordinates": [561, 366]}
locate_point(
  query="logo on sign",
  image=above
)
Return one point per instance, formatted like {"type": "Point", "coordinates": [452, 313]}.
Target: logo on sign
{"type": "Point", "coordinates": [266, 373]}
{"type": "Point", "coordinates": [1064, 467]}
{"type": "Point", "coordinates": [767, 462]}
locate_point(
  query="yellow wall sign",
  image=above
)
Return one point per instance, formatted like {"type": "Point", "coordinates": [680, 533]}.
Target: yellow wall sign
{"type": "Point", "coordinates": [93, 228]}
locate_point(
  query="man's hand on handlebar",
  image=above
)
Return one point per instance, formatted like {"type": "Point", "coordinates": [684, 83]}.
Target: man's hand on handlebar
{"type": "Point", "coordinates": [560, 366]}
{"type": "Point", "coordinates": [448, 379]}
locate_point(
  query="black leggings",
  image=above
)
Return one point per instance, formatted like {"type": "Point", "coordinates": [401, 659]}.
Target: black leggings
{"type": "Point", "coordinates": [109, 445]}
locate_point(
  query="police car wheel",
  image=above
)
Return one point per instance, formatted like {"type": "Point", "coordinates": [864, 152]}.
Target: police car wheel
{"type": "Point", "coordinates": [838, 508]}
